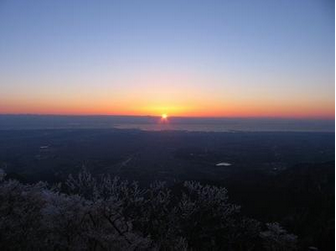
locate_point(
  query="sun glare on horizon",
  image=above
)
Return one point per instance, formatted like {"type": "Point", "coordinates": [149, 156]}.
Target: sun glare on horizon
{"type": "Point", "coordinates": [164, 116]}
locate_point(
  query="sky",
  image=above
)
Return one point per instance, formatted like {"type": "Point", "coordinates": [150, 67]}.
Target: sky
{"type": "Point", "coordinates": [227, 58]}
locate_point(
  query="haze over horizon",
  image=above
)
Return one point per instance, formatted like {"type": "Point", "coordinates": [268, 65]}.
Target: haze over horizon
{"type": "Point", "coordinates": [219, 59]}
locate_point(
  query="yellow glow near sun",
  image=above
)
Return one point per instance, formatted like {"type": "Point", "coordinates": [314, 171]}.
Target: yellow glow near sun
{"type": "Point", "coordinates": [164, 116]}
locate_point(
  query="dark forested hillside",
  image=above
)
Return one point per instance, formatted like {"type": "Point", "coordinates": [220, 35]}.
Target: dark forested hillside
{"type": "Point", "coordinates": [111, 214]}
{"type": "Point", "coordinates": [301, 197]}
{"type": "Point", "coordinates": [286, 179]}
{"type": "Point", "coordinates": [86, 213]}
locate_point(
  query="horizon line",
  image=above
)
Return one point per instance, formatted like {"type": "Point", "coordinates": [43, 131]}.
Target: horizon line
{"type": "Point", "coordinates": [170, 116]}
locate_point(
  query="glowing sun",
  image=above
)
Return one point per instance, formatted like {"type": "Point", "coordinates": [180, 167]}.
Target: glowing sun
{"type": "Point", "coordinates": [164, 116]}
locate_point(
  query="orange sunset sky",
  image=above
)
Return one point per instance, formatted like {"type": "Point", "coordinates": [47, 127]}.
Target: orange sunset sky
{"type": "Point", "coordinates": [224, 59]}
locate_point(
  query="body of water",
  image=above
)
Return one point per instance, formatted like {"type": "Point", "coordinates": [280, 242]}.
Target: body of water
{"type": "Point", "coordinates": [19, 122]}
